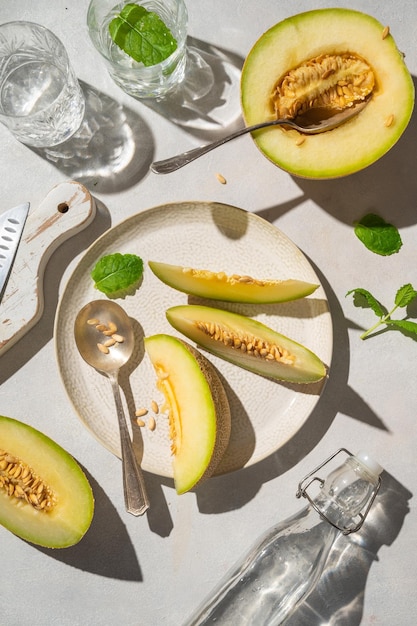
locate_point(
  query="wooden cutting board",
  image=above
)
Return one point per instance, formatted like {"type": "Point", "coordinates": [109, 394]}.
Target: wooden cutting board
{"type": "Point", "coordinates": [67, 209]}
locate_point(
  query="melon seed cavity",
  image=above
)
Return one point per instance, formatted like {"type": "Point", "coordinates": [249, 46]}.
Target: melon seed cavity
{"type": "Point", "coordinates": [249, 344]}
{"type": "Point", "coordinates": [19, 481]}
{"type": "Point", "coordinates": [329, 81]}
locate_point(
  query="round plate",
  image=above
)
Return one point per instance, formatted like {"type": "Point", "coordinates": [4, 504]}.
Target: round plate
{"type": "Point", "coordinates": [219, 237]}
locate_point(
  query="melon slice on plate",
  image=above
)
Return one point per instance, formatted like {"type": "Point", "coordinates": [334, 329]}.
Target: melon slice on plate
{"type": "Point", "coordinates": [199, 412]}
{"type": "Point", "coordinates": [230, 288]}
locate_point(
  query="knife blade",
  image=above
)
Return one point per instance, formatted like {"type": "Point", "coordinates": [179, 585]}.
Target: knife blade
{"type": "Point", "coordinates": [12, 223]}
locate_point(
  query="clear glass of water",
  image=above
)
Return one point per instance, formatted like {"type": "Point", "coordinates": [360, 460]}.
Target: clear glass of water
{"type": "Point", "coordinates": [134, 78]}
{"type": "Point", "coordinates": [41, 101]}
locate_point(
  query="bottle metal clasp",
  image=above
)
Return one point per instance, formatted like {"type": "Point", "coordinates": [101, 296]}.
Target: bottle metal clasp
{"type": "Point", "coordinates": [302, 492]}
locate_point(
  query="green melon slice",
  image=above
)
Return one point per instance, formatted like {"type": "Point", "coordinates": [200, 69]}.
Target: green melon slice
{"type": "Point", "coordinates": [231, 288]}
{"type": "Point", "coordinates": [355, 144]}
{"type": "Point", "coordinates": [68, 498]}
{"type": "Point", "coordinates": [199, 411]}
{"type": "Point", "coordinates": [247, 343]}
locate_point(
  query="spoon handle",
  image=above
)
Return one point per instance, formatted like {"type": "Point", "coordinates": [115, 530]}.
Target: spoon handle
{"type": "Point", "coordinates": [136, 498]}
{"type": "Point", "coordinates": [174, 163]}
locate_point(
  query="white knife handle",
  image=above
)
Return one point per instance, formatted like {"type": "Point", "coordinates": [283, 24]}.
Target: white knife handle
{"type": "Point", "coordinates": [67, 209]}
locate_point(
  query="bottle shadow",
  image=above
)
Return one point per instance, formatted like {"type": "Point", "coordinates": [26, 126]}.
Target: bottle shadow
{"type": "Point", "coordinates": [112, 149]}
{"type": "Point", "coordinates": [338, 598]}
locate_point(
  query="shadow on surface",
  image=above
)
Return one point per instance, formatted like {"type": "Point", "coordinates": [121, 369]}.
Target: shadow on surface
{"type": "Point", "coordinates": [31, 343]}
{"type": "Point", "coordinates": [234, 490]}
{"type": "Point", "coordinates": [387, 188]}
{"type": "Point", "coordinates": [338, 598]}
{"type": "Point", "coordinates": [206, 103]}
{"type": "Point", "coordinates": [111, 151]}
{"type": "Point", "coordinates": [106, 548]}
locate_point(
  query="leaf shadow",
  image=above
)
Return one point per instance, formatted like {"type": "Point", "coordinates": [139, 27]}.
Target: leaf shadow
{"type": "Point", "coordinates": [234, 490]}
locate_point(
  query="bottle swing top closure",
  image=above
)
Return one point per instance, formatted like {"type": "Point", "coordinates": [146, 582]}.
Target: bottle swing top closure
{"type": "Point", "coordinates": [302, 491]}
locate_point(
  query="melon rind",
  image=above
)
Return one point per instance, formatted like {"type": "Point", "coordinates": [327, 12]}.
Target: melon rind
{"type": "Point", "coordinates": [199, 408]}
{"type": "Point", "coordinates": [70, 518]}
{"type": "Point", "coordinates": [307, 367]}
{"type": "Point", "coordinates": [207, 284]}
{"type": "Point", "coordinates": [360, 141]}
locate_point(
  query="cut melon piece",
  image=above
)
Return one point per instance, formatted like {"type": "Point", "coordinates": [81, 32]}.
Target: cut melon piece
{"type": "Point", "coordinates": [247, 343]}
{"type": "Point", "coordinates": [199, 412]}
{"type": "Point", "coordinates": [321, 61]}
{"type": "Point", "coordinates": [231, 288]}
{"type": "Point", "coordinates": [45, 497]}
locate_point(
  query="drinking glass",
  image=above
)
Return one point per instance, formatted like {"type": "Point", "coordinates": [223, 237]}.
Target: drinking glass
{"type": "Point", "coordinates": [41, 101]}
{"type": "Point", "coordinates": [134, 78]}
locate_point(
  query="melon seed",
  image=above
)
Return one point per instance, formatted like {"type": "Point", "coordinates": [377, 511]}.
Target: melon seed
{"type": "Point", "coordinates": [19, 481]}
{"type": "Point", "coordinates": [329, 81]}
{"type": "Point", "coordinates": [249, 344]}
{"type": "Point", "coordinates": [385, 32]}
{"type": "Point", "coordinates": [388, 122]}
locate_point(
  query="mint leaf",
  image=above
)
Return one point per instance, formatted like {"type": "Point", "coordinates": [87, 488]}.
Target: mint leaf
{"type": "Point", "coordinates": [142, 35]}
{"type": "Point", "coordinates": [115, 274]}
{"type": "Point", "coordinates": [362, 297]}
{"type": "Point", "coordinates": [409, 327]}
{"type": "Point", "coordinates": [405, 295]}
{"type": "Point", "coordinates": [377, 235]}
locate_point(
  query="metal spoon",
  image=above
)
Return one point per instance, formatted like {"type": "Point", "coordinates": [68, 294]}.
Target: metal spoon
{"type": "Point", "coordinates": [306, 124]}
{"type": "Point", "coordinates": [87, 338]}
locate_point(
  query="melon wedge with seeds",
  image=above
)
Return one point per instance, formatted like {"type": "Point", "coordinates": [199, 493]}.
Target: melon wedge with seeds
{"type": "Point", "coordinates": [199, 412]}
{"type": "Point", "coordinates": [247, 343]}
{"type": "Point", "coordinates": [230, 287]}
{"type": "Point", "coordinates": [32, 463]}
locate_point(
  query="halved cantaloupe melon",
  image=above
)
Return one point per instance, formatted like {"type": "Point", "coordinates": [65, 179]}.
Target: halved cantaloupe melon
{"type": "Point", "coordinates": [348, 41]}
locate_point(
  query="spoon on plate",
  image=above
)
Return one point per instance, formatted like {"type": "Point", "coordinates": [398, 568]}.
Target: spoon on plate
{"type": "Point", "coordinates": [308, 123]}
{"type": "Point", "coordinates": [105, 340]}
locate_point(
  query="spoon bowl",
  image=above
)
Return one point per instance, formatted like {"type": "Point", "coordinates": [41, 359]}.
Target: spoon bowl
{"type": "Point", "coordinates": [105, 340]}
{"type": "Point", "coordinates": [311, 123]}
{"type": "Point", "coordinates": [87, 336]}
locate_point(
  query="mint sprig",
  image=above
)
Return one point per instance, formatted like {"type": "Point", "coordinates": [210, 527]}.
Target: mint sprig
{"type": "Point", "coordinates": [404, 296]}
{"type": "Point", "coordinates": [142, 35]}
{"type": "Point", "coordinates": [378, 235]}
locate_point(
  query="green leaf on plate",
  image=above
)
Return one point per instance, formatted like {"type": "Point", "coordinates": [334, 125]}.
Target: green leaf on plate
{"type": "Point", "coordinates": [115, 274]}
{"type": "Point", "coordinates": [142, 35]}
{"type": "Point", "coordinates": [377, 235]}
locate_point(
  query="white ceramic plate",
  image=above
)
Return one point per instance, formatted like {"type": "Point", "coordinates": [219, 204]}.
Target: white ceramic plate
{"type": "Point", "coordinates": [265, 414]}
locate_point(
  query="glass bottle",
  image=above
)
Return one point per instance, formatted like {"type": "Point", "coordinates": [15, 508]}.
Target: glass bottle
{"type": "Point", "coordinates": [282, 568]}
